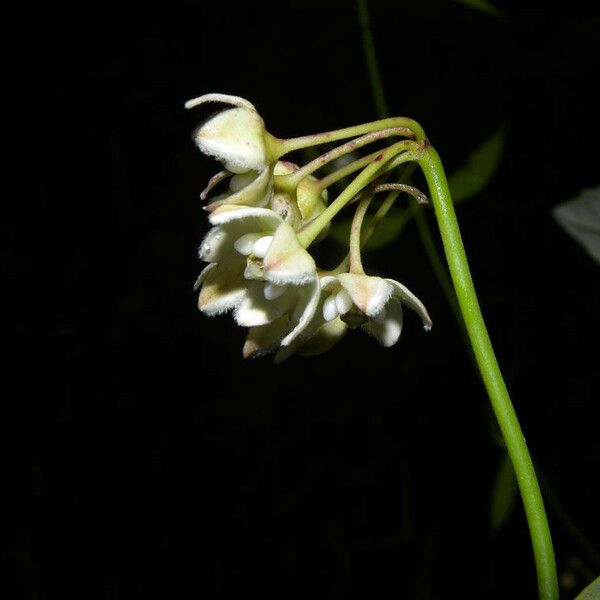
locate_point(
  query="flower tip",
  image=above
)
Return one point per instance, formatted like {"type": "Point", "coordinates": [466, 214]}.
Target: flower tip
{"type": "Point", "coordinates": [215, 97]}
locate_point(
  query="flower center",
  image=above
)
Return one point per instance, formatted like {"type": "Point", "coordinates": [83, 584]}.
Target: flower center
{"type": "Point", "coordinates": [253, 243]}
{"type": "Point", "coordinates": [336, 304]}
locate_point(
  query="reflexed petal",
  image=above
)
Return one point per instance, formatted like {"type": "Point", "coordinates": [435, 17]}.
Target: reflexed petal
{"type": "Point", "coordinates": [370, 294]}
{"type": "Point", "coordinates": [254, 218]}
{"type": "Point", "coordinates": [256, 193]}
{"type": "Point", "coordinates": [203, 275]}
{"type": "Point", "coordinates": [236, 137]}
{"type": "Point", "coordinates": [255, 310]}
{"type": "Point", "coordinates": [265, 338]}
{"type": "Point", "coordinates": [223, 287]}
{"type": "Point", "coordinates": [286, 260]}
{"type": "Point", "coordinates": [216, 97]}
{"type": "Point", "coordinates": [388, 331]}
{"type": "Point", "coordinates": [214, 180]}
{"type": "Point", "coordinates": [304, 311]}
{"type": "Point", "coordinates": [407, 297]}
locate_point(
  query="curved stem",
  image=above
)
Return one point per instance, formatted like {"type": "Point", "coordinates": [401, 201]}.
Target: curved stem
{"type": "Point", "coordinates": [379, 215]}
{"type": "Point", "coordinates": [409, 151]}
{"type": "Point", "coordinates": [279, 147]}
{"type": "Point", "coordinates": [292, 180]}
{"type": "Point", "coordinates": [357, 221]}
{"type": "Point", "coordinates": [490, 373]}
{"type": "Point", "coordinates": [346, 170]}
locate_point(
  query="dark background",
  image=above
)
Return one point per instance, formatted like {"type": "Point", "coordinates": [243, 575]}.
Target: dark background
{"type": "Point", "coordinates": [146, 458]}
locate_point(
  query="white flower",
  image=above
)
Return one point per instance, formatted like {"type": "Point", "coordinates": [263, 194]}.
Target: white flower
{"type": "Point", "coordinates": [237, 137]}
{"type": "Point", "coordinates": [373, 303]}
{"type": "Point", "coordinates": [316, 337]}
{"type": "Point", "coordinates": [289, 327]}
{"type": "Point", "coordinates": [257, 268]}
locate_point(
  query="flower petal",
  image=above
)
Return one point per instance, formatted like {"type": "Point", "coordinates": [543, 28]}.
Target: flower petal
{"type": "Point", "coordinates": [218, 245]}
{"type": "Point", "coordinates": [216, 97]}
{"type": "Point", "coordinates": [388, 330]}
{"type": "Point", "coordinates": [255, 310]}
{"type": "Point", "coordinates": [408, 298]}
{"type": "Point", "coordinates": [256, 193]}
{"type": "Point", "coordinates": [235, 136]}
{"type": "Point", "coordinates": [305, 309]}
{"type": "Point", "coordinates": [370, 294]}
{"type": "Point", "coordinates": [286, 260]}
{"type": "Point", "coordinates": [256, 219]}
{"type": "Point", "coordinates": [214, 180]}
{"type": "Point", "coordinates": [265, 338]}
{"type": "Point", "coordinates": [203, 275]}
{"type": "Point", "coordinates": [223, 287]}
{"type": "Point", "coordinates": [232, 223]}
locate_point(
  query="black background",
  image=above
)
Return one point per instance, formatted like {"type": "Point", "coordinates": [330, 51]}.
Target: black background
{"type": "Point", "coordinates": [149, 459]}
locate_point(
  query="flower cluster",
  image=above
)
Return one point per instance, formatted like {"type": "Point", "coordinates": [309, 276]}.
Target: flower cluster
{"type": "Point", "coordinates": [259, 267]}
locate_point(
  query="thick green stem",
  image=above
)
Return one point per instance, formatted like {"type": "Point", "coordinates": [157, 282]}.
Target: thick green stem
{"type": "Point", "coordinates": [490, 372]}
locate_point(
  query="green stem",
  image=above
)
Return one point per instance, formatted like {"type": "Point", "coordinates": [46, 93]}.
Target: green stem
{"type": "Point", "coordinates": [291, 181]}
{"type": "Point", "coordinates": [378, 216]}
{"type": "Point", "coordinates": [490, 373]}
{"type": "Point", "coordinates": [346, 170]}
{"type": "Point", "coordinates": [357, 221]}
{"type": "Point", "coordinates": [439, 269]}
{"type": "Point", "coordinates": [311, 230]}
{"type": "Point", "coordinates": [279, 147]}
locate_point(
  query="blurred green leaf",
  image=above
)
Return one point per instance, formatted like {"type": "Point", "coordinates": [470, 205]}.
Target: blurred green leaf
{"type": "Point", "coordinates": [480, 167]}
{"type": "Point", "coordinates": [504, 494]}
{"type": "Point", "coordinates": [389, 229]}
{"type": "Point", "coordinates": [591, 592]}
{"type": "Point", "coordinates": [483, 6]}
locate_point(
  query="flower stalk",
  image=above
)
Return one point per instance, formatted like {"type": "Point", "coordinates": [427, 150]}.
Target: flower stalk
{"type": "Point", "coordinates": [491, 375]}
{"type": "Point", "coordinates": [355, 231]}
{"type": "Point", "coordinates": [281, 147]}
{"type": "Point", "coordinates": [292, 180]}
{"type": "Point", "coordinates": [403, 151]}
